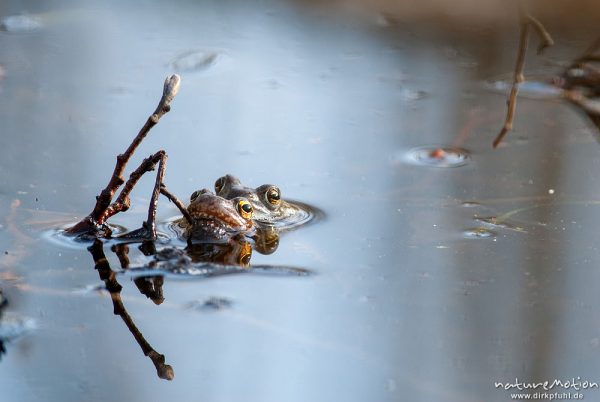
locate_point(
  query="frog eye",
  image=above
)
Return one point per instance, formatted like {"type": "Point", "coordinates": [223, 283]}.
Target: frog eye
{"type": "Point", "coordinates": [245, 209]}
{"type": "Point", "coordinates": [194, 195]}
{"type": "Point", "coordinates": [273, 196]}
{"type": "Point", "coordinates": [219, 184]}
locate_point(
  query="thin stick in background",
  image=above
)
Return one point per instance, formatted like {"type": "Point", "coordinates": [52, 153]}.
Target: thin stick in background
{"type": "Point", "coordinates": [526, 22]}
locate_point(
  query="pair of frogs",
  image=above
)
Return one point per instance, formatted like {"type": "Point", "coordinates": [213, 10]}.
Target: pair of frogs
{"type": "Point", "coordinates": [235, 209]}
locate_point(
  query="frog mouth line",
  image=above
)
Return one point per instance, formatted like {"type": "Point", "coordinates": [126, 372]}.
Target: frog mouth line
{"type": "Point", "coordinates": [213, 222]}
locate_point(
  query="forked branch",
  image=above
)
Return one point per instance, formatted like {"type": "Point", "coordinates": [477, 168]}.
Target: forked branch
{"type": "Point", "coordinates": [95, 220]}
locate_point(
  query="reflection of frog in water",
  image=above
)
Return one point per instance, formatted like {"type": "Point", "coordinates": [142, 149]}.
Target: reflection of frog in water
{"type": "Point", "coordinates": [12, 325]}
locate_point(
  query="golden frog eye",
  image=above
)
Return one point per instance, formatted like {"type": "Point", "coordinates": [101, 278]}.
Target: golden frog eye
{"type": "Point", "coordinates": [219, 184]}
{"type": "Point", "coordinates": [245, 209]}
{"type": "Point", "coordinates": [273, 196]}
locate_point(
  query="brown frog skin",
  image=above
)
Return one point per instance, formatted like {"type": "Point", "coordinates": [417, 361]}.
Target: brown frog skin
{"type": "Point", "coordinates": [269, 207]}
{"type": "Point", "coordinates": [215, 219]}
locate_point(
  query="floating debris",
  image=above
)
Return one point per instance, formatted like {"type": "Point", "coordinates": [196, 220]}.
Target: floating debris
{"type": "Point", "coordinates": [438, 157]}
{"type": "Point", "coordinates": [498, 223]}
{"type": "Point", "coordinates": [470, 204]}
{"type": "Point", "coordinates": [479, 233]}
{"type": "Point", "coordinates": [20, 23]}
{"type": "Point", "coordinates": [194, 60]}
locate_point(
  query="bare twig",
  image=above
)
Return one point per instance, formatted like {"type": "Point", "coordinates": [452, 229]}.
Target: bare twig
{"type": "Point", "coordinates": [517, 79]}
{"type": "Point", "coordinates": [122, 202]}
{"type": "Point", "coordinates": [95, 219]}
{"type": "Point", "coordinates": [150, 223]}
{"type": "Point", "coordinates": [545, 38]}
{"type": "Point", "coordinates": [526, 21]}
{"type": "Point", "coordinates": [178, 203]}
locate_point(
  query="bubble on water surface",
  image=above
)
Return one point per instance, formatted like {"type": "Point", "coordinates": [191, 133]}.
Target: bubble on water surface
{"type": "Point", "coordinates": [438, 157]}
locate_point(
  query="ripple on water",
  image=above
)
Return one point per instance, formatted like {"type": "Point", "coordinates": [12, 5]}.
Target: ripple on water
{"type": "Point", "coordinates": [470, 204]}
{"type": "Point", "coordinates": [13, 326]}
{"type": "Point", "coordinates": [195, 60]}
{"type": "Point", "coordinates": [20, 23]}
{"type": "Point", "coordinates": [442, 157]}
{"type": "Point", "coordinates": [59, 237]}
{"type": "Point", "coordinates": [408, 94]}
{"type": "Point", "coordinates": [478, 233]}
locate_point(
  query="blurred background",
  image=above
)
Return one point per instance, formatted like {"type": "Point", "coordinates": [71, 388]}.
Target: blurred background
{"type": "Point", "coordinates": [413, 296]}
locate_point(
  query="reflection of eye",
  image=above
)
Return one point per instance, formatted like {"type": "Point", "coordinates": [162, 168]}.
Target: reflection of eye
{"type": "Point", "coordinates": [219, 184]}
{"type": "Point", "coordinates": [245, 209]}
{"type": "Point", "coordinates": [194, 195]}
{"type": "Point", "coordinates": [245, 258]}
{"type": "Point", "coordinates": [273, 196]}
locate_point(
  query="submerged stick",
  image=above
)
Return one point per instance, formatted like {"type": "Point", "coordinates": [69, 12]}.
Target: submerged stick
{"type": "Point", "coordinates": [94, 220]}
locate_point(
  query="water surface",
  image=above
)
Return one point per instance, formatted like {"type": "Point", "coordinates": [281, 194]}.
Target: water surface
{"type": "Point", "coordinates": [402, 306]}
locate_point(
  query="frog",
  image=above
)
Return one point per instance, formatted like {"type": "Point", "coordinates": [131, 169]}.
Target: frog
{"type": "Point", "coordinates": [270, 209]}
{"type": "Point", "coordinates": [215, 219]}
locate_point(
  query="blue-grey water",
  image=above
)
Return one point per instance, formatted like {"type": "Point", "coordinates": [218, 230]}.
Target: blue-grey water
{"type": "Point", "coordinates": [410, 298]}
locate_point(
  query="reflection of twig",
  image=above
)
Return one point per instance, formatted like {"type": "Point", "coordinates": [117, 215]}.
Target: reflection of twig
{"type": "Point", "coordinates": [163, 370]}
{"type": "Point", "coordinates": [526, 21]}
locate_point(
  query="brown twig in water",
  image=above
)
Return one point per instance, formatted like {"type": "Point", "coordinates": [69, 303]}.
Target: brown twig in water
{"type": "Point", "coordinates": [517, 79]}
{"type": "Point", "coordinates": [545, 38]}
{"type": "Point", "coordinates": [526, 21]}
{"type": "Point", "coordinates": [92, 222]}
{"type": "Point", "coordinates": [122, 202]}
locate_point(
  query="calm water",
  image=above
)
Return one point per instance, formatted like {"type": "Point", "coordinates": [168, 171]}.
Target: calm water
{"type": "Point", "coordinates": [412, 298]}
